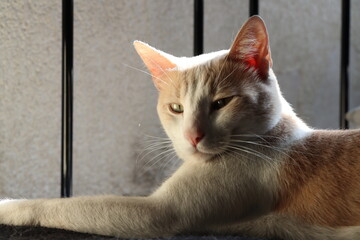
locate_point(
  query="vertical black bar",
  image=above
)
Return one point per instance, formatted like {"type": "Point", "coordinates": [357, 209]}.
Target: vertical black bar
{"type": "Point", "coordinates": [344, 65]}
{"type": "Point", "coordinates": [253, 7]}
{"type": "Point", "coordinates": [198, 27]}
{"type": "Point", "coordinates": [67, 97]}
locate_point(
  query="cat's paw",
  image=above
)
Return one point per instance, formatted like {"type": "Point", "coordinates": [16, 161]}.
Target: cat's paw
{"type": "Point", "coordinates": [16, 212]}
{"type": "Point", "coordinates": [7, 201]}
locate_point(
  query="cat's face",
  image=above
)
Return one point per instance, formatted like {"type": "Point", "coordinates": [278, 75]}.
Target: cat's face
{"type": "Point", "coordinates": [206, 102]}
{"type": "Point", "coordinates": [203, 109]}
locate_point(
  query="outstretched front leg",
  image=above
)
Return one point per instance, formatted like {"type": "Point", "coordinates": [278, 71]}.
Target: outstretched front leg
{"type": "Point", "coordinates": [196, 196]}
{"type": "Point", "coordinates": [105, 215]}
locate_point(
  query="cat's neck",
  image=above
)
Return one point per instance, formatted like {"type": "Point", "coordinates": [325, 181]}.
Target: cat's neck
{"type": "Point", "coordinates": [285, 125]}
{"type": "Point", "coordinates": [289, 127]}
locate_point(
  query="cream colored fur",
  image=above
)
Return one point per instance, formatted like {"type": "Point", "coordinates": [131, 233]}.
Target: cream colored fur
{"type": "Point", "coordinates": [216, 190]}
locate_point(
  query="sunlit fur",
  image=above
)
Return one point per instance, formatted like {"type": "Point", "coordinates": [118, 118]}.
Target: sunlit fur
{"type": "Point", "coordinates": [250, 167]}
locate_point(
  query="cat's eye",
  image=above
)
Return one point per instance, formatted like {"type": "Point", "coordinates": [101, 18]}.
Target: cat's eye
{"type": "Point", "coordinates": [176, 108]}
{"type": "Point", "coordinates": [220, 103]}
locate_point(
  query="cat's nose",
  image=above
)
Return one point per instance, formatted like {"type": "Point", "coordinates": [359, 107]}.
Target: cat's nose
{"type": "Point", "coordinates": [194, 136]}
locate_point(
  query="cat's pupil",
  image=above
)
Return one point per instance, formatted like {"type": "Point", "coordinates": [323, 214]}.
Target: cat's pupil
{"type": "Point", "coordinates": [176, 108]}
{"type": "Point", "coordinates": [220, 103]}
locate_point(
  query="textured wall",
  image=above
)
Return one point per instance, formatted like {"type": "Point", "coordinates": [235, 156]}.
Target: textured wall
{"type": "Point", "coordinates": [115, 104]}
{"type": "Point", "coordinates": [30, 73]}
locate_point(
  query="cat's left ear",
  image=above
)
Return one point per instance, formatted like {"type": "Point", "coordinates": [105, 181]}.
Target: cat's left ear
{"type": "Point", "coordinates": [156, 61]}
{"type": "Point", "coordinates": [251, 47]}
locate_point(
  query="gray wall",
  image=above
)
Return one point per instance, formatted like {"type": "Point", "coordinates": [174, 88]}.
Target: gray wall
{"type": "Point", "coordinates": [115, 104]}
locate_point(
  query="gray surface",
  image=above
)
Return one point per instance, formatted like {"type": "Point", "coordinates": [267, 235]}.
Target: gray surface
{"type": "Point", "coordinates": [38, 233]}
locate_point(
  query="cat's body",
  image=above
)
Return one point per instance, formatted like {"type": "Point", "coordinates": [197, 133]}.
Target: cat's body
{"type": "Point", "coordinates": [251, 166]}
{"type": "Point", "coordinates": [327, 192]}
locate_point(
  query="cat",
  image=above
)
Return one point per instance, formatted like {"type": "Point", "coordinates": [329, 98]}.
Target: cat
{"type": "Point", "coordinates": [250, 165]}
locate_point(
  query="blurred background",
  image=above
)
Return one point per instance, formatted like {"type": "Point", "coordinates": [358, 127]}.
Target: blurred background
{"type": "Point", "coordinates": [114, 104]}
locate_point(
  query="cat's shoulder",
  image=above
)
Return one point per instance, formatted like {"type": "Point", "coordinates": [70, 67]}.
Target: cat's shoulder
{"type": "Point", "coordinates": [331, 141]}
{"type": "Point", "coordinates": [334, 135]}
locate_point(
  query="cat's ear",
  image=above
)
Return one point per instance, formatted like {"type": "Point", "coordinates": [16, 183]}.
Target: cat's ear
{"type": "Point", "coordinates": [251, 47]}
{"type": "Point", "coordinates": [156, 61]}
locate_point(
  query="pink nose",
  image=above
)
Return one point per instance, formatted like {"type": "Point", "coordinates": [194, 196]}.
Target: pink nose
{"type": "Point", "coordinates": [194, 136]}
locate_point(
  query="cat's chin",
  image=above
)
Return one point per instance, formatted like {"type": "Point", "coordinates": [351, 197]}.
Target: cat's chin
{"type": "Point", "coordinates": [200, 153]}
{"type": "Point", "coordinates": [203, 155]}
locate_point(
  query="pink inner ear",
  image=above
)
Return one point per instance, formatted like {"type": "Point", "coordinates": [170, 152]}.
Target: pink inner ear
{"type": "Point", "coordinates": [156, 61]}
{"type": "Point", "coordinates": [159, 65]}
{"type": "Point", "coordinates": [251, 46]}
{"type": "Point", "coordinates": [251, 62]}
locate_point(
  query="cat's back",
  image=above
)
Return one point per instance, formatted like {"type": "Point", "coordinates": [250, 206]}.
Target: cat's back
{"type": "Point", "coordinates": [320, 178]}
{"type": "Point", "coordinates": [330, 144]}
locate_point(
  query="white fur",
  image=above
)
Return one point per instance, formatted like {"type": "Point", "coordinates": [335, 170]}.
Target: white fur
{"type": "Point", "coordinates": [300, 130]}
{"type": "Point", "coordinates": [185, 63]}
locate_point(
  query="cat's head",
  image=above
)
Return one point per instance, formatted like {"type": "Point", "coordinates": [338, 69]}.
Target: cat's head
{"type": "Point", "coordinates": [207, 101]}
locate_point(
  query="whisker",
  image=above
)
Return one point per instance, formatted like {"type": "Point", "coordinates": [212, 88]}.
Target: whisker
{"type": "Point", "coordinates": [251, 151]}
{"type": "Point", "coordinates": [228, 75]}
{"type": "Point", "coordinates": [221, 68]}
{"type": "Point", "coordinates": [244, 150]}
{"type": "Point", "coordinates": [159, 68]}
{"type": "Point", "coordinates": [140, 70]}
{"type": "Point", "coordinates": [171, 80]}
{"type": "Point", "coordinates": [263, 137]}
{"type": "Point", "coordinates": [150, 136]}
{"type": "Point", "coordinates": [277, 149]}
{"type": "Point", "coordinates": [156, 145]}
{"type": "Point", "coordinates": [150, 141]}
{"type": "Point", "coordinates": [169, 160]}
{"type": "Point", "coordinates": [236, 154]}
{"type": "Point", "coordinates": [145, 168]}
{"type": "Point", "coordinates": [150, 150]}
{"type": "Point", "coordinates": [162, 154]}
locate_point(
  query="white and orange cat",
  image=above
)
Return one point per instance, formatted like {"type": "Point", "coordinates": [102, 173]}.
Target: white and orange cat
{"type": "Point", "coordinates": [250, 165]}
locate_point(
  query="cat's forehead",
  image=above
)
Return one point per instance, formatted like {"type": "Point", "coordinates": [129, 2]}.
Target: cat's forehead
{"type": "Point", "coordinates": [206, 76]}
{"type": "Point", "coordinates": [201, 77]}
{"type": "Point", "coordinates": [186, 63]}
{"type": "Point", "coordinates": [218, 77]}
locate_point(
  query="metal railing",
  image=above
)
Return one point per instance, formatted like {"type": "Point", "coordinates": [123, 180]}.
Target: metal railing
{"type": "Point", "coordinates": [67, 97]}
{"type": "Point", "coordinates": [344, 62]}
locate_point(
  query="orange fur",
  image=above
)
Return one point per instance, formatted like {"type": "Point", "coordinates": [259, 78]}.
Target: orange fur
{"type": "Point", "coordinates": [320, 182]}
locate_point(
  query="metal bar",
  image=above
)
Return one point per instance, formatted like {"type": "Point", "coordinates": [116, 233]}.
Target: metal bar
{"type": "Point", "coordinates": [198, 27]}
{"type": "Point", "coordinates": [344, 64]}
{"type": "Point", "coordinates": [67, 97]}
{"type": "Point", "coordinates": [253, 7]}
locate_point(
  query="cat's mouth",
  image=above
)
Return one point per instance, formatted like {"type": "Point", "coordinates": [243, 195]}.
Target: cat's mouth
{"type": "Point", "coordinates": [206, 154]}
{"type": "Point", "coordinates": [202, 151]}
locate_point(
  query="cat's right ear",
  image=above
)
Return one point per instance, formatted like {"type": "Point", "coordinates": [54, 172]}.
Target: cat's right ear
{"type": "Point", "coordinates": [251, 47]}
{"type": "Point", "coordinates": [156, 61]}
